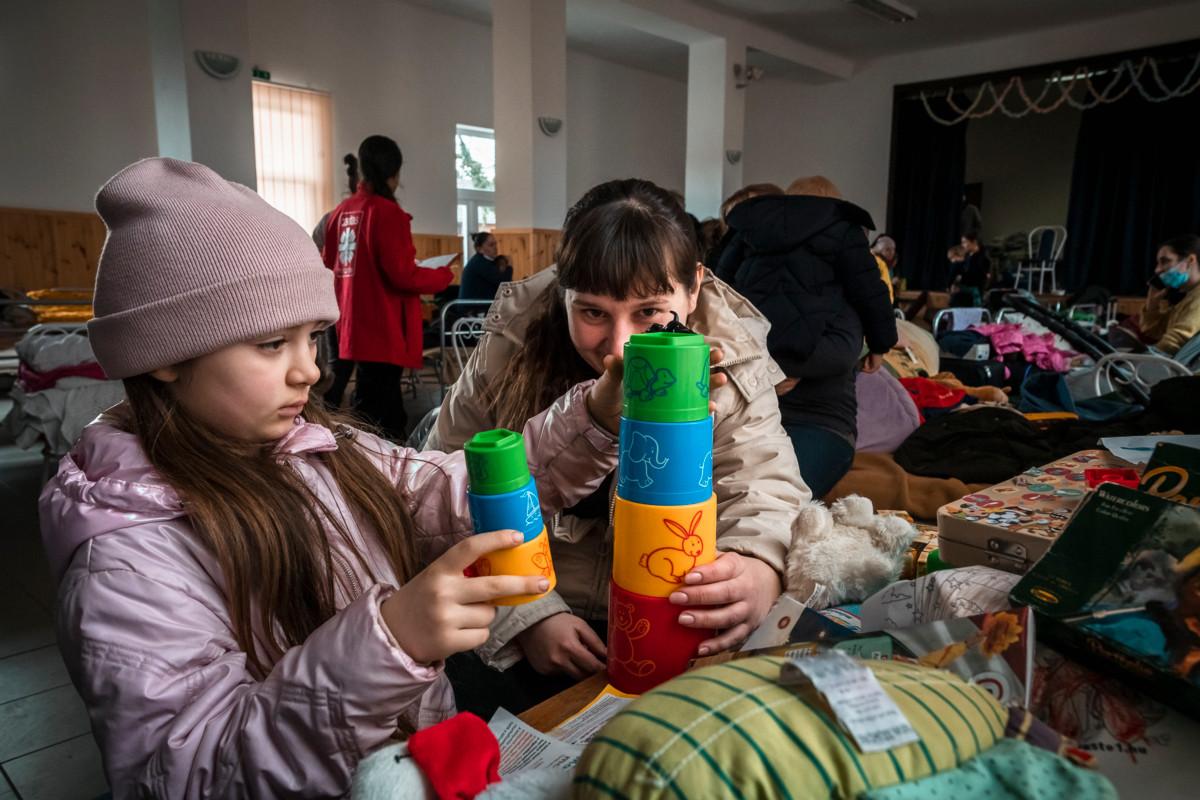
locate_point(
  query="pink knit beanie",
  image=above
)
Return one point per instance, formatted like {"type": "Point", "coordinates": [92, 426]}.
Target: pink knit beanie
{"type": "Point", "coordinates": [193, 263]}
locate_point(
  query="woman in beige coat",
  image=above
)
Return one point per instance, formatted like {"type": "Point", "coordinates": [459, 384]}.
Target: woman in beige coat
{"type": "Point", "coordinates": [628, 259]}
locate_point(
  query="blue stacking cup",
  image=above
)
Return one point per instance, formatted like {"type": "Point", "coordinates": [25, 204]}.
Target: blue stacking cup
{"type": "Point", "coordinates": [517, 510]}
{"type": "Point", "coordinates": [666, 463]}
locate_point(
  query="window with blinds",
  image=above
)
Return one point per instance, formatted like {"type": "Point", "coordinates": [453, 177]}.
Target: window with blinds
{"type": "Point", "coordinates": [293, 150]}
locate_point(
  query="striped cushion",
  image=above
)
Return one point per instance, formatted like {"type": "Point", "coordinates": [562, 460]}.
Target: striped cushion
{"type": "Point", "coordinates": [731, 730]}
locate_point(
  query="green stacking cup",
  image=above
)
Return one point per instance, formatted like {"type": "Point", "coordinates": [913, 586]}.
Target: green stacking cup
{"type": "Point", "coordinates": [666, 377]}
{"type": "Point", "coordinates": [496, 462]}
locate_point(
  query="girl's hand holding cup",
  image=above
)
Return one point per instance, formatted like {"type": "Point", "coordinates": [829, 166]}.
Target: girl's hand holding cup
{"type": "Point", "coordinates": [441, 612]}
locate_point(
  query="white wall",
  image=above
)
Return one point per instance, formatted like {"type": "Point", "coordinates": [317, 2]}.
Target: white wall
{"type": "Point", "coordinates": [843, 130]}
{"type": "Point", "coordinates": [393, 69]}
{"type": "Point", "coordinates": [1024, 166]}
{"type": "Point", "coordinates": [78, 103]}
{"type": "Point", "coordinates": [220, 111]}
{"type": "Point", "coordinates": [76, 99]}
{"type": "Point", "coordinates": [622, 123]}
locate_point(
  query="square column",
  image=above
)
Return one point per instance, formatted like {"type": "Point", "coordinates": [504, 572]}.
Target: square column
{"type": "Point", "coordinates": [529, 61]}
{"type": "Point", "coordinates": [716, 112]}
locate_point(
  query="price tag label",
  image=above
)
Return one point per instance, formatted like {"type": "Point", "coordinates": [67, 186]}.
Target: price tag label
{"type": "Point", "coordinates": [858, 702]}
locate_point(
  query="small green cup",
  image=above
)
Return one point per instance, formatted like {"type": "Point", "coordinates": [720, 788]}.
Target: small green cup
{"type": "Point", "coordinates": [666, 377]}
{"type": "Point", "coordinates": [496, 462]}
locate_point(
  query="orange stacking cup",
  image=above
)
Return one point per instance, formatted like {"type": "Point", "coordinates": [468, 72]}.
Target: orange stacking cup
{"type": "Point", "coordinates": [646, 643]}
{"type": "Point", "coordinates": [527, 558]}
{"type": "Point", "coordinates": [655, 546]}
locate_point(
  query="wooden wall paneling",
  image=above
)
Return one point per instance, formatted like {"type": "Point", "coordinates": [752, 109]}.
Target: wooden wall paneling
{"type": "Point", "coordinates": [530, 249]}
{"type": "Point", "coordinates": [545, 247]}
{"type": "Point", "coordinates": [27, 258]}
{"type": "Point", "coordinates": [78, 239]}
{"type": "Point", "coordinates": [429, 245]}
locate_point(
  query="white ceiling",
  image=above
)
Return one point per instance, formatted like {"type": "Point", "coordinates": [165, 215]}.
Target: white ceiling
{"type": "Point", "coordinates": [832, 25]}
{"type": "Point", "coordinates": [849, 31]}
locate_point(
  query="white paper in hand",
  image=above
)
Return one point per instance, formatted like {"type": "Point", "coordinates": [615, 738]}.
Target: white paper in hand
{"type": "Point", "coordinates": [861, 706]}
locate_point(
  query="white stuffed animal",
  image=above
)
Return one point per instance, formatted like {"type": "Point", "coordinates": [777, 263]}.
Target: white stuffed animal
{"type": "Point", "coordinates": [458, 758]}
{"type": "Point", "coordinates": [848, 551]}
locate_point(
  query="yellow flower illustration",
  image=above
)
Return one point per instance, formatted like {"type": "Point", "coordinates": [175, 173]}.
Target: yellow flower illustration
{"type": "Point", "coordinates": [1000, 631]}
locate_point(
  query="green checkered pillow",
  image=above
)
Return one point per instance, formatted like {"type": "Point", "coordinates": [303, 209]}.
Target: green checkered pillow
{"type": "Point", "coordinates": [731, 730]}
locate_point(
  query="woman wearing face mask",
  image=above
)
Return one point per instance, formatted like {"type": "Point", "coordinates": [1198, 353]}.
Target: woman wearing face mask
{"type": "Point", "coordinates": [1171, 315]}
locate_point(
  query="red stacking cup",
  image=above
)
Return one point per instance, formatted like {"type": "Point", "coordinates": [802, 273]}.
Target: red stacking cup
{"type": "Point", "coordinates": [646, 643]}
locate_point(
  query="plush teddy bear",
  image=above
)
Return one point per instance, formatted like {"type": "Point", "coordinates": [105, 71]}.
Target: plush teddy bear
{"type": "Point", "coordinates": [845, 553]}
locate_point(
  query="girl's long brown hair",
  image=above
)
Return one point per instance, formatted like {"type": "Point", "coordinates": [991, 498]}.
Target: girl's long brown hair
{"type": "Point", "coordinates": [623, 238]}
{"type": "Point", "coordinates": [264, 524]}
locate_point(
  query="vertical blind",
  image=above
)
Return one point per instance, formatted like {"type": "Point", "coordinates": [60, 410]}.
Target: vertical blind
{"type": "Point", "coordinates": [293, 150]}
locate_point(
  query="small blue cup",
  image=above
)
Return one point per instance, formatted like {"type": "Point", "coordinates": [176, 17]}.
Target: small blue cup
{"type": "Point", "coordinates": [517, 510]}
{"type": "Point", "coordinates": [665, 463]}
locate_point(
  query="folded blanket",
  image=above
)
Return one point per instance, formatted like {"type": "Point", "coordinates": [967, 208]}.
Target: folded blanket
{"type": "Point", "coordinates": [878, 477]}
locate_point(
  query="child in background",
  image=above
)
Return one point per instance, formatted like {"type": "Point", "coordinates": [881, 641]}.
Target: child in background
{"type": "Point", "coordinates": [242, 604]}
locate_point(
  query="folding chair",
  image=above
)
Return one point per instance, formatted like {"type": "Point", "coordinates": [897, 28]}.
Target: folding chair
{"type": "Point", "coordinates": [1043, 257]}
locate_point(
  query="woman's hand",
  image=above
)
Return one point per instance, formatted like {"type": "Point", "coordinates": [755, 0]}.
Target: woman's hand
{"type": "Point", "coordinates": [740, 590]}
{"type": "Point", "coordinates": [606, 400]}
{"type": "Point", "coordinates": [563, 643]}
{"type": "Point", "coordinates": [441, 612]}
{"type": "Point", "coordinates": [785, 386]}
{"type": "Point", "coordinates": [872, 363]}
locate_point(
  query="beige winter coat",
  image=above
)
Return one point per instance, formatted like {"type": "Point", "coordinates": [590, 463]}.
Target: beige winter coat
{"type": "Point", "coordinates": [758, 484]}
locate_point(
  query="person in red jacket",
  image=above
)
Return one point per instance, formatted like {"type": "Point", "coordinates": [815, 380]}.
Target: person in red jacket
{"type": "Point", "coordinates": [369, 247]}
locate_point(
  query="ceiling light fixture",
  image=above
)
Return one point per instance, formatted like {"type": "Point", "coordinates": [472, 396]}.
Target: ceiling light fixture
{"type": "Point", "coordinates": [890, 10]}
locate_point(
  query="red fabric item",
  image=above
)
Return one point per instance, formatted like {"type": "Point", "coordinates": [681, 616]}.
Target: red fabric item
{"type": "Point", "coordinates": [33, 381]}
{"type": "Point", "coordinates": [369, 247]}
{"type": "Point", "coordinates": [931, 394]}
{"type": "Point", "coordinates": [460, 756]}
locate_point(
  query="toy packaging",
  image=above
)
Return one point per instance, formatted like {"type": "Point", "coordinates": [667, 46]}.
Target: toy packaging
{"type": "Point", "coordinates": [1010, 525]}
{"type": "Point", "coordinates": [1120, 590]}
{"type": "Point", "coordinates": [992, 650]}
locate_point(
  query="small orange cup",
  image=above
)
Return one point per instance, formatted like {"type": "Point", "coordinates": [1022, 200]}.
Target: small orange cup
{"type": "Point", "coordinates": [528, 558]}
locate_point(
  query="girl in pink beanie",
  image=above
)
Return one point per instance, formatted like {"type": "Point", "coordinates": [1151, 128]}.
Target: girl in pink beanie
{"type": "Point", "coordinates": [254, 594]}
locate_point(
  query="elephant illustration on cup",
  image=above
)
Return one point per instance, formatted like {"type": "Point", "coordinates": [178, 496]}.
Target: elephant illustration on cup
{"type": "Point", "coordinates": [641, 455]}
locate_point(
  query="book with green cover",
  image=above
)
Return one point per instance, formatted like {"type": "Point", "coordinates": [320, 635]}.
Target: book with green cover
{"type": "Point", "coordinates": [1174, 473]}
{"type": "Point", "coordinates": [1120, 589]}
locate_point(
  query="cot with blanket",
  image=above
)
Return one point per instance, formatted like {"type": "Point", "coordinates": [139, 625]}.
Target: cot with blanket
{"type": "Point", "coordinates": [58, 390]}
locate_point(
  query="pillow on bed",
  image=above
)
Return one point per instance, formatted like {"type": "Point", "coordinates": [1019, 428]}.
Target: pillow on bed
{"type": "Point", "coordinates": [730, 730]}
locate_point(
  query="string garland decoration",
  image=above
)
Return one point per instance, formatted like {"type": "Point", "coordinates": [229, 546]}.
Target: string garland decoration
{"type": "Point", "coordinates": [1126, 75]}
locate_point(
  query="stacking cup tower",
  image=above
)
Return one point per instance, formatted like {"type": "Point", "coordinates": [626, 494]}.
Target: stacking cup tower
{"type": "Point", "coordinates": [664, 520]}
{"type": "Point", "coordinates": [502, 495]}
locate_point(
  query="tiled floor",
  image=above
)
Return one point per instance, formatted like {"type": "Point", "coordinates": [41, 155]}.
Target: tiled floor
{"type": "Point", "coordinates": [46, 746]}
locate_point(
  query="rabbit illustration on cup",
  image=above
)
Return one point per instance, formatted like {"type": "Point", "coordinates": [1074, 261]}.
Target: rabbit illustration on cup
{"type": "Point", "coordinates": [672, 563]}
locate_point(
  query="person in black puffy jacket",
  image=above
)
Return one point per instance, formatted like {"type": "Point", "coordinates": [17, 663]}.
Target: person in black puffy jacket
{"type": "Point", "coordinates": [804, 261]}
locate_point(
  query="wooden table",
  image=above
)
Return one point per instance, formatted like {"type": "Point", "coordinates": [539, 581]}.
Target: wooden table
{"type": "Point", "coordinates": [549, 714]}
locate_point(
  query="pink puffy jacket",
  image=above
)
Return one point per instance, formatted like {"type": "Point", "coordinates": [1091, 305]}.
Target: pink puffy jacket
{"type": "Point", "coordinates": [148, 641]}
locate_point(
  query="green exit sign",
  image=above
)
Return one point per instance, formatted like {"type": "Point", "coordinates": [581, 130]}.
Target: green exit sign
{"type": "Point", "coordinates": [261, 74]}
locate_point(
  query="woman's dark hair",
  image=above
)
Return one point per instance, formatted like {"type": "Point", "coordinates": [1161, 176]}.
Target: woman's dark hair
{"type": "Point", "coordinates": [1184, 246]}
{"type": "Point", "coordinates": [379, 159]}
{"type": "Point", "coordinates": [478, 239]}
{"type": "Point", "coordinates": [627, 237]}
{"type": "Point", "coordinates": [351, 171]}
{"type": "Point", "coordinates": [623, 238]}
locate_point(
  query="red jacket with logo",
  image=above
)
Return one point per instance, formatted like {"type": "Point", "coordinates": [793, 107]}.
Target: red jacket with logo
{"type": "Point", "coordinates": [369, 247]}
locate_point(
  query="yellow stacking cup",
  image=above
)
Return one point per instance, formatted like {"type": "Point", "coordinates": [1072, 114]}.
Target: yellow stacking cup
{"type": "Point", "coordinates": [527, 558]}
{"type": "Point", "coordinates": [655, 546]}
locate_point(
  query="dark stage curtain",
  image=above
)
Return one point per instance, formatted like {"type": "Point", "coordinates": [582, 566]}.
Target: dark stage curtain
{"type": "Point", "coordinates": [927, 186]}
{"type": "Point", "coordinates": [1135, 182]}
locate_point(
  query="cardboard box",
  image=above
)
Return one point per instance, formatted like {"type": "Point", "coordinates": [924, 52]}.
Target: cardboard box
{"type": "Point", "coordinates": [1010, 525]}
